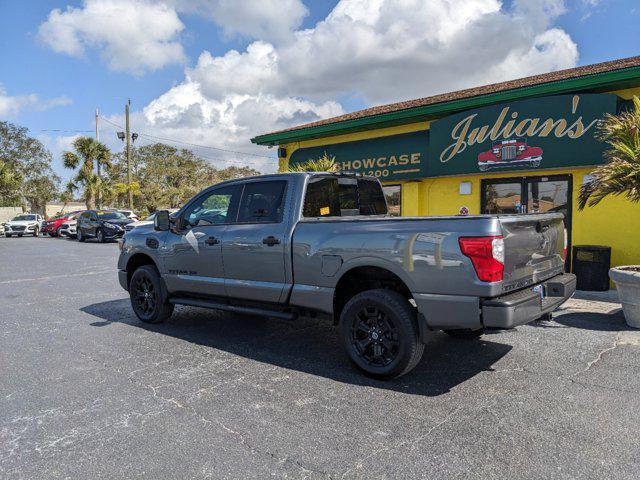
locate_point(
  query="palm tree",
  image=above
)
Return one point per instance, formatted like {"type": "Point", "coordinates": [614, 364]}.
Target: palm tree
{"type": "Point", "coordinates": [87, 151]}
{"type": "Point", "coordinates": [325, 163]}
{"type": "Point", "coordinates": [620, 174]}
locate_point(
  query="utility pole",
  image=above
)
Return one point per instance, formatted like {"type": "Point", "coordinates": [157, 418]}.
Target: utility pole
{"type": "Point", "coordinates": [98, 162]}
{"type": "Point", "coordinates": [128, 139]}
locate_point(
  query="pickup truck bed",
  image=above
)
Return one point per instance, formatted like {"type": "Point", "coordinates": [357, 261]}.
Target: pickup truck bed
{"type": "Point", "coordinates": [322, 244]}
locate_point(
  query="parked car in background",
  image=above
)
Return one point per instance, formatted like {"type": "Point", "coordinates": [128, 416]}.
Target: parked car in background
{"type": "Point", "coordinates": [68, 228]}
{"type": "Point", "coordinates": [102, 225]}
{"type": "Point", "coordinates": [130, 214]}
{"type": "Point", "coordinates": [1, 228]}
{"type": "Point", "coordinates": [24, 224]}
{"type": "Point", "coordinates": [147, 220]}
{"type": "Point", "coordinates": [52, 226]}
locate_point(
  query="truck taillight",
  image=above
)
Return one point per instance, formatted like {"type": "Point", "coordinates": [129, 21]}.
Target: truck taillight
{"type": "Point", "coordinates": [487, 256]}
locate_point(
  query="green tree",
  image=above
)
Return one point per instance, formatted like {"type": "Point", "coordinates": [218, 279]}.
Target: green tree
{"type": "Point", "coordinates": [87, 152]}
{"type": "Point", "coordinates": [66, 197]}
{"type": "Point", "coordinates": [39, 191]}
{"type": "Point", "coordinates": [25, 168]}
{"type": "Point", "coordinates": [164, 176]}
{"type": "Point", "coordinates": [620, 174]}
{"type": "Point", "coordinates": [10, 185]}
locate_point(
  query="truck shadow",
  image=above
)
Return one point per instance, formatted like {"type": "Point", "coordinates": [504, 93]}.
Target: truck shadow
{"type": "Point", "coordinates": [310, 346]}
{"type": "Point", "coordinates": [606, 322]}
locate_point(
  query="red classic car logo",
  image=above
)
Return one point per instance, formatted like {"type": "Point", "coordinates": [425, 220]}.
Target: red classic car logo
{"type": "Point", "coordinates": [510, 153]}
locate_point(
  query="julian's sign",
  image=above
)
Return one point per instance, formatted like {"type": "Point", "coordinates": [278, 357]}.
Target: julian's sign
{"type": "Point", "coordinates": [548, 132]}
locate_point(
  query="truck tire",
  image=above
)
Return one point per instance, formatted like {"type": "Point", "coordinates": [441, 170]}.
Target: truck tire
{"type": "Point", "coordinates": [465, 333]}
{"type": "Point", "coordinates": [148, 296]}
{"type": "Point", "coordinates": [379, 330]}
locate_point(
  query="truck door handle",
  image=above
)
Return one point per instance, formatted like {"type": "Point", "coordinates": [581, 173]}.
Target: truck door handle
{"type": "Point", "coordinates": [270, 240]}
{"type": "Point", "coordinates": [212, 241]}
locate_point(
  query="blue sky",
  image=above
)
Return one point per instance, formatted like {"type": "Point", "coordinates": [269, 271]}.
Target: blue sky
{"type": "Point", "coordinates": [76, 85]}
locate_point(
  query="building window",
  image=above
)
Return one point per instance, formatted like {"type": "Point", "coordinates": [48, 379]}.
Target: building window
{"type": "Point", "coordinates": [393, 194]}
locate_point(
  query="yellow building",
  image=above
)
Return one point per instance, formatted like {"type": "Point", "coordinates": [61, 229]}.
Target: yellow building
{"type": "Point", "coordinates": [521, 146]}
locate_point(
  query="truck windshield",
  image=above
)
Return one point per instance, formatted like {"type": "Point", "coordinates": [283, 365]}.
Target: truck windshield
{"type": "Point", "coordinates": [343, 196]}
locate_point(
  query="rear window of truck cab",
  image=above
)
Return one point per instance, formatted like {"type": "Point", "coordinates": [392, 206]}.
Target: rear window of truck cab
{"type": "Point", "coordinates": [337, 196]}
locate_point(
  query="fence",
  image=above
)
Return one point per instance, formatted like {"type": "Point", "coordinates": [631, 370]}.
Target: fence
{"type": "Point", "coordinates": [7, 213]}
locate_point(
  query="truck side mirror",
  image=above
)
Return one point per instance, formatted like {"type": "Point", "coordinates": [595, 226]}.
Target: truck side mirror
{"type": "Point", "coordinates": [161, 221]}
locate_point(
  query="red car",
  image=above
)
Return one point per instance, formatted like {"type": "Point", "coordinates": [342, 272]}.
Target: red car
{"type": "Point", "coordinates": [52, 226]}
{"type": "Point", "coordinates": [510, 153]}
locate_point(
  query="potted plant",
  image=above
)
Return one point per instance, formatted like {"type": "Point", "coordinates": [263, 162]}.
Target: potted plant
{"type": "Point", "coordinates": [619, 175]}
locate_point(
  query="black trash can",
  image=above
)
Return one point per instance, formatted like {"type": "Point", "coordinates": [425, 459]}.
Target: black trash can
{"type": "Point", "coordinates": [591, 265]}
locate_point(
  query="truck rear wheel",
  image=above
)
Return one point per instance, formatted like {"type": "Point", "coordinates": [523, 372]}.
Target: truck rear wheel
{"type": "Point", "coordinates": [148, 298]}
{"type": "Point", "coordinates": [379, 330]}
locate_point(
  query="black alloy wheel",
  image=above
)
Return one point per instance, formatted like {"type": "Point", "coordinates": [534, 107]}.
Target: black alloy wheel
{"type": "Point", "coordinates": [145, 295]}
{"type": "Point", "coordinates": [379, 330]}
{"type": "Point", "coordinates": [148, 298]}
{"type": "Point", "coordinates": [375, 336]}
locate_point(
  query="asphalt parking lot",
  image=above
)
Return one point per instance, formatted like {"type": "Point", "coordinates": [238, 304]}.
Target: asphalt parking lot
{"type": "Point", "coordinates": [86, 391]}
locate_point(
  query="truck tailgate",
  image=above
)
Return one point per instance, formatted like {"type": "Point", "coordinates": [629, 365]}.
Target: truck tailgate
{"type": "Point", "coordinates": [534, 246]}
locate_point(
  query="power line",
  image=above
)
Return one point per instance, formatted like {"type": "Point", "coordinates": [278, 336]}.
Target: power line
{"type": "Point", "coordinates": [205, 157]}
{"type": "Point", "coordinates": [192, 144]}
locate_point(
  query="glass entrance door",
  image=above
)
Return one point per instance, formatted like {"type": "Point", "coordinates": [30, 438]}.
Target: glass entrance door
{"type": "Point", "coordinates": [550, 193]}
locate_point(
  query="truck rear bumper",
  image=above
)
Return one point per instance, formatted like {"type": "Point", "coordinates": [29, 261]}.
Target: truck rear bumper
{"type": "Point", "coordinates": [524, 306]}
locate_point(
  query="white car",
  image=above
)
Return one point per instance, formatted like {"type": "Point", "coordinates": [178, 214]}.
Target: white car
{"type": "Point", "coordinates": [147, 221]}
{"type": "Point", "coordinates": [25, 224]}
{"type": "Point", "coordinates": [68, 228]}
{"type": "Point", "coordinates": [130, 214]}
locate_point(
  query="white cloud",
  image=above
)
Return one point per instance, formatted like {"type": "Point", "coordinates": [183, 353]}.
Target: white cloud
{"type": "Point", "coordinates": [378, 50]}
{"type": "Point", "coordinates": [397, 49]}
{"type": "Point", "coordinates": [269, 20]}
{"type": "Point", "coordinates": [133, 35]}
{"type": "Point", "coordinates": [12, 105]}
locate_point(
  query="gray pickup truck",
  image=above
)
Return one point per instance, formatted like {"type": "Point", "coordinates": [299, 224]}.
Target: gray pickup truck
{"type": "Point", "coordinates": [322, 244]}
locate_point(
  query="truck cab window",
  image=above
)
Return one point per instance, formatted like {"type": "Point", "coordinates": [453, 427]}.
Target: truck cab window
{"type": "Point", "coordinates": [262, 202]}
{"type": "Point", "coordinates": [371, 198]}
{"type": "Point", "coordinates": [213, 208]}
{"type": "Point", "coordinates": [342, 197]}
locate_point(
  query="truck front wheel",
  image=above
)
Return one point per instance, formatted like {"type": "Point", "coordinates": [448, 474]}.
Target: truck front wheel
{"type": "Point", "coordinates": [379, 330]}
{"type": "Point", "coordinates": [149, 302]}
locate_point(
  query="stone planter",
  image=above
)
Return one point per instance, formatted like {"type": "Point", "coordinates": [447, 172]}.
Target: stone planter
{"type": "Point", "coordinates": [627, 280]}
